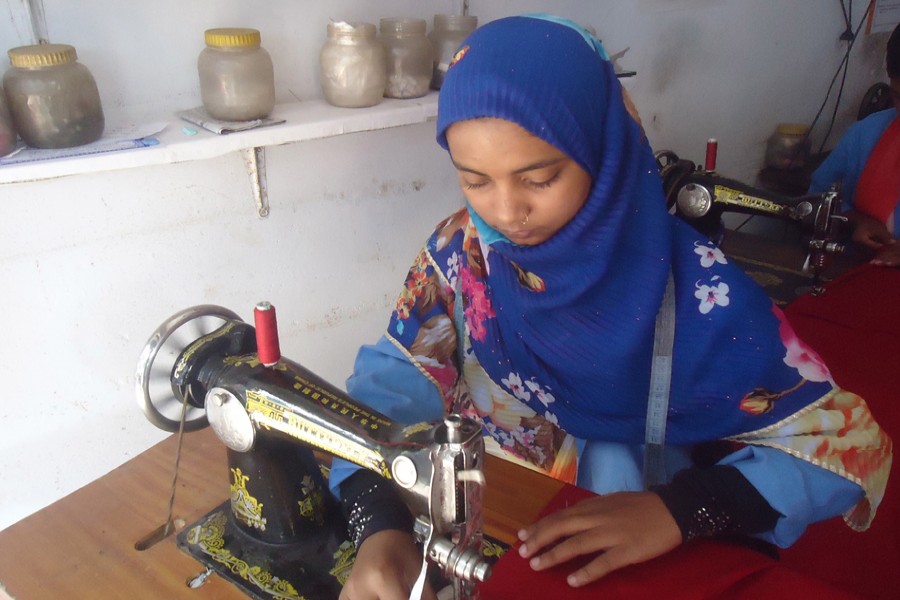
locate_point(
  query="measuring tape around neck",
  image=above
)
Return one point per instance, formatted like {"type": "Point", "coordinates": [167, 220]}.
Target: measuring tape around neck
{"type": "Point", "coordinates": [660, 384]}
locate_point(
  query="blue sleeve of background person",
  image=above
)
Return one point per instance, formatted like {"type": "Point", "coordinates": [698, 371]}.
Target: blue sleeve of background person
{"type": "Point", "coordinates": [896, 232]}
{"type": "Point", "coordinates": [385, 380]}
{"type": "Point", "coordinates": [802, 492]}
{"type": "Point", "coordinates": [846, 162]}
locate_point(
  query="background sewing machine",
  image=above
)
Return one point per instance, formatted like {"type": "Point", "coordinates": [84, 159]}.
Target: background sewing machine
{"type": "Point", "coordinates": [282, 534]}
{"type": "Point", "coordinates": [701, 196]}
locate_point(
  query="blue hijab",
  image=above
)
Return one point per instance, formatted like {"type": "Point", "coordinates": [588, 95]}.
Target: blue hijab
{"type": "Point", "coordinates": [583, 336]}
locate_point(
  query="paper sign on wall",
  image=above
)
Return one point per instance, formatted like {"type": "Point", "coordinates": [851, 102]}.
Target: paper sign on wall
{"type": "Point", "coordinates": [884, 16]}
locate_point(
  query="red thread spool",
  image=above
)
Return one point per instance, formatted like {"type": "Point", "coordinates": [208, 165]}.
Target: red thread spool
{"type": "Point", "coordinates": [266, 334]}
{"type": "Point", "coordinates": [712, 149]}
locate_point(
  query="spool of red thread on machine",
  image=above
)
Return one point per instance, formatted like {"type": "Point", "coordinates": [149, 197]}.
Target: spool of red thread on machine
{"type": "Point", "coordinates": [712, 149]}
{"type": "Point", "coordinates": [266, 334]}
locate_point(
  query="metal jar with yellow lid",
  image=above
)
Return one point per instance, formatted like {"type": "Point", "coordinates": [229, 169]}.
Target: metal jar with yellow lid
{"type": "Point", "coordinates": [53, 99]}
{"type": "Point", "coordinates": [237, 78]}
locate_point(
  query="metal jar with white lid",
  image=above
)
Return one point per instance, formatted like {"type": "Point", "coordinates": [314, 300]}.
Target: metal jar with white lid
{"type": "Point", "coordinates": [53, 99]}
{"type": "Point", "coordinates": [7, 129]}
{"type": "Point", "coordinates": [409, 57]}
{"type": "Point", "coordinates": [237, 77]}
{"type": "Point", "coordinates": [353, 69]}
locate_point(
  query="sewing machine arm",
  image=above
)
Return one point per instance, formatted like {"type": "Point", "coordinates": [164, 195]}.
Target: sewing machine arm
{"type": "Point", "coordinates": [701, 197]}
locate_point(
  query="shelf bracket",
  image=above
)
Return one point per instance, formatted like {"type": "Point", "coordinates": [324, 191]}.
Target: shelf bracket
{"type": "Point", "coordinates": [255, 163]}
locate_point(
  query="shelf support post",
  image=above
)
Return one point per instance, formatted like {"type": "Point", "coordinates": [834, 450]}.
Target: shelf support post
{"type": "Point", "coordinates": [34, 10]}
{"type": "Point", "coordinates": [255, 162]}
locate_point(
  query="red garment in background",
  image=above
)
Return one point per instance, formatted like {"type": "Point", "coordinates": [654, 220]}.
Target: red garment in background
{"type": "Point", "coordinates": [878, 188]}
{"type": "Point", "coordinates": [855, 327]}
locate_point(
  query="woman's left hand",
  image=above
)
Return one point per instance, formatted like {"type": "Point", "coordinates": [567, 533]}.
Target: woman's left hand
{"type": "Point", "coordinates": [622, 529]}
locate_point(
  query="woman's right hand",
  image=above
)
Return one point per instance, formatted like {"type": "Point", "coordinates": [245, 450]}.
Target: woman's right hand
{"type": "Point", "coordinates": [386, 568]}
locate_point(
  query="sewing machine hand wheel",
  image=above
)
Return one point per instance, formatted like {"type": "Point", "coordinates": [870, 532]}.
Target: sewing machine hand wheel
{"type": "Point", "coordinates": [665, 159]}
{"type": "Point", "coordinates": [672, 170]}
{"type": "Point", "coordinates": [160, 400]}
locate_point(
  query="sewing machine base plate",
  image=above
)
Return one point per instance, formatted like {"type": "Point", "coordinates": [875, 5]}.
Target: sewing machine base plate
{"type": "Point", "coordinates": [313, 569]}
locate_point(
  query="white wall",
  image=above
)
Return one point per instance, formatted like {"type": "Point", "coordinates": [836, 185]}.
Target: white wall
{"type": "Point", "coordinates": [91, 264]}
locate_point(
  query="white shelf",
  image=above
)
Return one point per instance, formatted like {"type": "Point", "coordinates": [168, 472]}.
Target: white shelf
{"type": "Point", "coordinates": [305, 120]}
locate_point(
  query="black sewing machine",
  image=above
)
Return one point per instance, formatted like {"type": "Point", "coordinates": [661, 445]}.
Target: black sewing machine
{"type": "Point", "coordinates": [282, 534]}
{"type": "Point", "coordinates": [700, 196]}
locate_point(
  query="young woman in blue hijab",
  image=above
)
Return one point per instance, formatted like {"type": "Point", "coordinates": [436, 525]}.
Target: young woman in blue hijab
{"type": "Point", "coordinates": [535, 310]}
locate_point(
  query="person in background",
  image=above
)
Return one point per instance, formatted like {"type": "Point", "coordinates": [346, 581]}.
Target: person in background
{"type": "Point", "coordinates": [534, 311]}
{"type": "Point", "coordinates": [866, 164]}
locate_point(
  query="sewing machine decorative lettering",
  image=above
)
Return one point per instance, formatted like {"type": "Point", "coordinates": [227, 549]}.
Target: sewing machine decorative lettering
{"type": "Point", "coordinates": [282, 534]}
{"type": "Point", "coordinates": [700, 196]}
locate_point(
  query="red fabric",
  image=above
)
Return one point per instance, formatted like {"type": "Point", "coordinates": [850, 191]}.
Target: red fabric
{"type": "Point", "coordinates": [879, 185]}
{"type": "Point", "coordinates": [700, 570]}
{"type": "Point", "coordinates": [855, 327]}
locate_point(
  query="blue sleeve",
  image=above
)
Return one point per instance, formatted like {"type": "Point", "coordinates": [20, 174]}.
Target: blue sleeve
{"type": "Point", "coordinates": [800, 491]}
{"type": "Point", "coordinates": [385, 380]}
{"type": "Point", "coordinates": [845, 163]}
{"type": "Point", "coordinates": [834, 169]}
{"type": "Point", "coordinates": [896, 231]}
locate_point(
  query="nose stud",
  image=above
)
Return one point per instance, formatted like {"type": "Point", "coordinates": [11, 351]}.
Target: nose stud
{"type": "Point", "coordinates": [525, 220]}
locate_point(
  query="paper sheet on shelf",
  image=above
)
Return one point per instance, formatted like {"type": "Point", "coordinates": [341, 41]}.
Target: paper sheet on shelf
{"type": "Point", "coordinates": [199, 116]}
{"type": "Point", "coordinates": [122, 137]}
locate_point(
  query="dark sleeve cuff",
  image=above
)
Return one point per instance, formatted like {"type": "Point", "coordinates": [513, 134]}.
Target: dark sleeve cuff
{"type": "Point", "coordinates": [716, 501]}
{"type": "Point", "coordinates": [372, 504]}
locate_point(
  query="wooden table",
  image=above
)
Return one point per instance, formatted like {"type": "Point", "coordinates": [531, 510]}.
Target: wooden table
{"type": "Point", "coordinates": [776, 263]}
{"type": "Point", "coordinates": [83, 546]}
{"type": "Point", "coordinates": [787, 252]}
